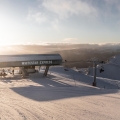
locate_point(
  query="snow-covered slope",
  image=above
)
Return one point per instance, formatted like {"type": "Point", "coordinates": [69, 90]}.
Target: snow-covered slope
{"type": "Point", "coordinates": [101, 82]}
{"type": "Point", "coordinates": [62, 95]}
{"type": "Point", "coordinates": [111, 69]}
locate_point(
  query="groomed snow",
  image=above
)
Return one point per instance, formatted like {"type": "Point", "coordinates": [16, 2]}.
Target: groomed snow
{"type": "Point", "coordinates": [62, 95]}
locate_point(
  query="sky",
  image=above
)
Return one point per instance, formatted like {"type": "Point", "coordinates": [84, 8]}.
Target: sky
{"type": "Point", "coordinates": [59, 21]}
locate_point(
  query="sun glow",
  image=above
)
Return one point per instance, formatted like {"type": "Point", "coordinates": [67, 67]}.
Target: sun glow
{"type": "Point", "coordinates": [8, 30]}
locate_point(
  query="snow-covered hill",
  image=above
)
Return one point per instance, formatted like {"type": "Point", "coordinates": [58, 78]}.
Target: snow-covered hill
{"type": "Point", "coordinates": [62, 95]}
{"type": "Point", "coordinates": [111, 69]}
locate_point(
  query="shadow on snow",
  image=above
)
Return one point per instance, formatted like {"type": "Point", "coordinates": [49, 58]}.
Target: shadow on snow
{"type": "Point", "coordinates": [64, 85]}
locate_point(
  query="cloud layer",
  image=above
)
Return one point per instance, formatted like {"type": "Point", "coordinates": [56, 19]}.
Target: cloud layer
{"type": "Point", "coordinates": [52, 10]}
{"type": "Point", "coordinates": [66, 8]}
{"type": "Point", "coordinates": [57, 10]}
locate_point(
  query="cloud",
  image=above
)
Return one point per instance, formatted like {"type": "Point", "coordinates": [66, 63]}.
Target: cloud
{"type": "Point", "coordinates": [66, 8]}
{"type": "Point", "coordinates": [53, 11]}
{"type": "Point", "coordinates": [37, 16]}
{"type": "Point", "coordinates": [113, 3]}
{"type": "Point", "coordinates": [112, 11]}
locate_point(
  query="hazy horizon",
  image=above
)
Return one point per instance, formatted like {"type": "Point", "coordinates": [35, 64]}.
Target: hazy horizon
{"type": "Point", "coordinates": [69, 52]}
{"type": "Point", "coordinates": [54, 47]}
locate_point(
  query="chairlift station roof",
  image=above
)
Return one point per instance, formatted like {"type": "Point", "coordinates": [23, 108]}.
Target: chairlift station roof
{"type": "Point", "coordinates": [30, 60]}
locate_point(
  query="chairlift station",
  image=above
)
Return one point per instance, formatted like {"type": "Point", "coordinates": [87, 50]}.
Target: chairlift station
{"type": "Point", "coordinates": [30, 60]}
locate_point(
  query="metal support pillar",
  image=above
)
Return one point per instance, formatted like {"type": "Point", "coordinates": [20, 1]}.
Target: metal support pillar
{"type": "Point", "coordinates": [39, 68]}
{"type": "Point", "coordinates": [94, 82]}
{"type": "Point", "coordinates": [46, 70]}
{"type": "Point", "coordinates": [24, 72]}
